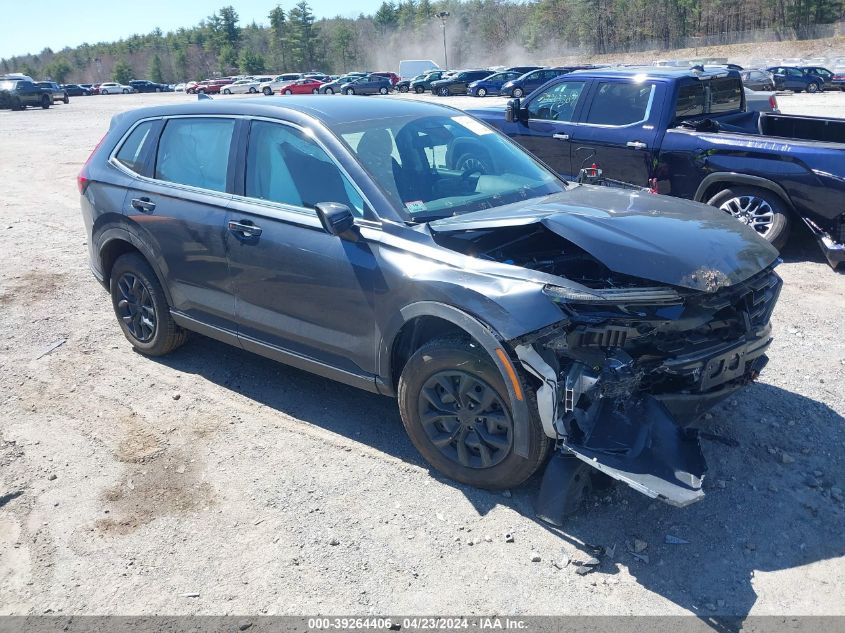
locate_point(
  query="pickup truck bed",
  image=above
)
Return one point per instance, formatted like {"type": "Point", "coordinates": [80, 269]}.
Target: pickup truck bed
{"type": "Point", "coordinates": [686, 134]}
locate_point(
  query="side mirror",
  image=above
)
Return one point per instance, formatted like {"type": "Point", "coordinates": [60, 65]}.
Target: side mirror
{"type": "Point", "coordinates": [336, 218]}
{"type": "Point", "coordinates": [512, 111]}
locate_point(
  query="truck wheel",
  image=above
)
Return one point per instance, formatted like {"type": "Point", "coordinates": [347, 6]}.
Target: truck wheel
{"type": "Point", "coordinates": [141, 307]}
{"type": "Point", "coordinates": [456, 410]}
{"type": "Point", "coordinates": [761, 209]}
{"type": "Point", "coordinates": [46, 101]}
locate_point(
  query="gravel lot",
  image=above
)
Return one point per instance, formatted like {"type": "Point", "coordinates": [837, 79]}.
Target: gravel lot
{"type": "Point", "coordinates": [127, 482]}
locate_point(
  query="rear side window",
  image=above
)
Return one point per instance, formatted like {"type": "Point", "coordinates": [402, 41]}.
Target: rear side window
{"type": "Point", "coordinates": [714, 96]}
{"type": "Point", "coordinates": [618, 103]}
{"type": "Point", "coordinates": [690, 100]}
{"type": "Point", "coordinates": [195, 152]}
{"type": "Point", "coordinates": [131, 153]}
{"type": "Point", "coordinates": [725, 95]}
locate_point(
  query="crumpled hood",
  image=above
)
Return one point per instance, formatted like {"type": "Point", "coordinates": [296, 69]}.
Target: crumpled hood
{"type": "Point", "coordinates": [662, 239]}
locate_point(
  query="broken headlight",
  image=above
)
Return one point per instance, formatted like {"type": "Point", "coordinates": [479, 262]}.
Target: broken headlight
{"type": "Point", "coordinates": [619, 296]}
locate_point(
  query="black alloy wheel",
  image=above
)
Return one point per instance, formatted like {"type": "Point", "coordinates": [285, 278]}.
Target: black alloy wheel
{"type": "Point", "coordinates": [135, 307]}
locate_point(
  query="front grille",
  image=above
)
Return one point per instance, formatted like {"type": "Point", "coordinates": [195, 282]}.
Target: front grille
{"type": "Point", "coordinates": [601, 337]}
{"type": "Point", "coordinates": [761, 299]}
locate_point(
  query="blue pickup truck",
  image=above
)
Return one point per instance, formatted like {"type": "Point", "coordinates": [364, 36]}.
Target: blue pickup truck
{"type": "Point", "coordinates": [686, 133]}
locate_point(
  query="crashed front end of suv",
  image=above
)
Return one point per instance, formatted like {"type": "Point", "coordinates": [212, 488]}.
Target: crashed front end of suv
{"type": "Point", "coordinates": [665, 309]}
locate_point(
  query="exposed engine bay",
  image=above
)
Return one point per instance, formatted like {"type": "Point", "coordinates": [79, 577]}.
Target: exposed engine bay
{"type": "Point", "coordinates": [626, 371]}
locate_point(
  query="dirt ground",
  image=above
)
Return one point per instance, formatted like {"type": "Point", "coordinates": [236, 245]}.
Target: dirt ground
{"type": "Point", "coordinates": [216, 482]}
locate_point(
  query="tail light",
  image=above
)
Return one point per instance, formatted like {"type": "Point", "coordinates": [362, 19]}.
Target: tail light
{"type": "Point", "coordinates": [652, 185]}
{"type": "Point", "coordinates": [773, 102]}
{"type": "Point", "coordinates": [82, 179]}
{"type": "Point", "coordinates": [839, 77]}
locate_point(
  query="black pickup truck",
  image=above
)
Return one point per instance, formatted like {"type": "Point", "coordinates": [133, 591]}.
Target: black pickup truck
{"type": "Point", "coordinates": [17, 94]}
{"type": "Point", "coordinates": [686, 133]}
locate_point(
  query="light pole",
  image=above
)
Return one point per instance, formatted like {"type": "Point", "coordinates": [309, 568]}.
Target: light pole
{"type": "Point", "coordinates": [443, 15]}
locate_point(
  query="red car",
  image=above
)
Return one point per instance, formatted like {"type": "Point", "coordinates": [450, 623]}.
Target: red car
{"type": "Point", "coordinates": [213, 86]}
{"type": "Point", "coordinates": [301, 87]}
{"type": "Point", "coordinates": [394, 78]}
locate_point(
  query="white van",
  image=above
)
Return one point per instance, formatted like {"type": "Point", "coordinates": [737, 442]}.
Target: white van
{"type": "Point", "coordinates": [410, 68]}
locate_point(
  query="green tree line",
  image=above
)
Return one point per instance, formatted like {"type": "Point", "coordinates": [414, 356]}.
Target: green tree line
{"type": "Point", "coordinates": [480, 32]}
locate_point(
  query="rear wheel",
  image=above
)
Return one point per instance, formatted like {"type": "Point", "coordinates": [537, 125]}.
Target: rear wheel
{"type": "Point", "coordinates": [419, 90]}
{"type": "Point", "coordinates": [252, 90]}
{"type": "Point", "coordinates": [811, 88]}
{"type": "Point", "coordinates": [125, 91]}
{"type": "Point", "coordinates": [518, 92]}
{"type": "Point", "coordinates": [402, 89]}
{"type": "Point", "coordinates": [457, 412]}
{"type": "Point", "coordinates": [443, 92]}
{"type": "Point", "coordinates": [382, 90]}
{"type": "Point", "coordinates": [761, 209]}
{"type": "Point", "coordinates": [349, 91]}
{"type": "Point", "coordinates": [46, 101]}
{"type": "Point", "coordinates": [329, 91]}
{"type": "Point", "coordinates": [65, 99]}
{"type": "Point", "coordinates": [267, 90]}
{"type": "Point", "coordinates": [141, 307]}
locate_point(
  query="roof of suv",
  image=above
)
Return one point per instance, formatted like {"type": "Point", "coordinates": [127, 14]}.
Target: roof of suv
{"type": "Point", "coordinates": [330, 110]}
{"type": "Point", "coordinates": [654, 72]}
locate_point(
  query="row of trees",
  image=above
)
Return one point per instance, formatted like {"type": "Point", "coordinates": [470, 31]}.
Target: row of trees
{"type": "Point", "coordinates": [480, 32]}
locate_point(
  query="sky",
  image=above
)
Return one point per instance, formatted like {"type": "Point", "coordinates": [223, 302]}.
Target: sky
{"type": "Point", "coordinates": [30, 26]}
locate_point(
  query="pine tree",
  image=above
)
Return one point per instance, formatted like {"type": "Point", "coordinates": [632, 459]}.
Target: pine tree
{"type": "Point", "coordinates": [155, 71]}
{"type": "Point", "coordinates": [279, 36]}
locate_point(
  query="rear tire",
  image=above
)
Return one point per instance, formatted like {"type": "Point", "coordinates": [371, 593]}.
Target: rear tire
{"type": "Point", "coordinates": [419, 90]}
{"type": "Point", "coordinates": [329, 91]}
{"type": "Point", "coordinates": [349, 91]}
{"type": "Point", "coordinates": [46, 102]}
{"type": "Point", "coordinates": [403, 89]}
{"type": "Point", "coordinates": [252, 90]}
{"type": "Point", "coordinates": [443, 92]}
{"type": "Point", "coordinates": [132, 277]}
{"type": "Point", "coordinates": [811, 88]}
{"type": "Point", "coordinates": [382, 90]}
{"type": "Point", "coordinates": [428, 374]}
{"type": "Point", "coordinates": [743, 202]}
{"type": "Point", "coordinates": [66, 100]}
{"type": "Point", "coordinates": [267, 91]}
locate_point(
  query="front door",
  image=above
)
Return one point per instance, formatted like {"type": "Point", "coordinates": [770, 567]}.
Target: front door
{"type": "Point", "coordinates": [549, 126]}
{"type": "Point", "coordinates": [618, 130]}
{"type": "Point", "coordinates": [298, 289]}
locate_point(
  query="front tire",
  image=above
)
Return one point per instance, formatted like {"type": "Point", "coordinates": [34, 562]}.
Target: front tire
{"type": "Point", "coordinates": [517, 93]}
{"type": "Point", "coordinates": [419, 90]}
{"type": "Point", "coordinates": [141, 307]}
{"type": "Point", "coordinates": [65, 99]}
{"type": "Point", "coordinates": [104, 92]}
{"type": "Point", "coordinates": [481, 92]}
{"type": "Point", "coordinates": [252, 90]}
{"type": "Point", "coordinates": [267, 91]}
{"type": "Point", "coordinates": [349, 91]}
{"type": "Point", "coordinates": [444, 92]}
{"type": "Point", "coordinates": [761, 209]}
{"type": "Point", "coordinates": [288, 92]}
{"type": "Point", "coordinates": [403, 89]}
{"type": "Point", "coordinates": [329, 91]}
{"type": "Point", "coordinates": [456, 409]}
{"type": "Point", "coordinates": [46, 102]}
{"type": "Point", "coordinates": [227, 92]}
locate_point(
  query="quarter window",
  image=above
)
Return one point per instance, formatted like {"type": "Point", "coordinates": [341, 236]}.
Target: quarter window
{"type": "Point", "coordinates": [195, 152]}
{"type": "Point", "coordinates": [284, 165]}
{"type": "Point", "coordinates": [131, 152]}
{"type": "Point", "coordinates": [556, 103]}
{"type": "Point", "coordinates": [618, 103]}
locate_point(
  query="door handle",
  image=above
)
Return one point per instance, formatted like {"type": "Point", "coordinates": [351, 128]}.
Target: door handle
{"type": "Point", "coordinates": [144, 205]}
{"type": "Point", "coordinates": [244, 228]}
{"type": "Point", "coordinates": [636, 144]}
{"type": "Point", "coordinates": [561, 137]}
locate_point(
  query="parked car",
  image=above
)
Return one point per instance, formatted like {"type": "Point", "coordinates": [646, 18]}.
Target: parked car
{"type": "Point", "coordinates": [334, 86]}
{"type": "Point", "coordinates": [758, 80]}
{"type": "Point", "coordinates": [367, 85]}
{"type": "Point", "coordinates": [191, 87]}
{"type": "Point", "coordinates": [301, 87]}
{"type": "Point", "coordinates": [269, 87]}
{"type": "Point", "coordinates": [795, 79]}
{"type": "Point", "coordinates": [530, 81]}
{"type": "Point", "coordinates": [394, 78]}
{"type": "Point", "coordinates": [17, 94]}
{"type": "Point", "coordinates": [246, 86]}
{"type": "Point", "coordinates": [511, 313]}
{"type": "Point", "coordinates": [76, 90]}
{"type": "Point", "coordinates": [214, 86]}
{"type": "Point", "coordinates": [681, 133]}
{"type": "Point", "coordinates": [180, 87]}
{"type": "Point", "coordinates": [405, 84]}
{"type": "Point", "coordinates": [457, 83]}
{"type": "Point", "coordinates": [113, 88]}
{"type": "Point", "coordinates": [821, 72]}
{"type": "Point", "coordinates": [759, 101]}
{"type": "Point", "coordinates": [491, 85]}
{"type": "Point", "coordinates": [419, 86]}
{"type": "Point", "coordinates": [58, 93]}
{"type": "Point", "coordinates": [143, 85]}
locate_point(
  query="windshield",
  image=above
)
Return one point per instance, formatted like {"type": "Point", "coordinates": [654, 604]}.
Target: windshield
{"type": "Point", "coordinates": [438, 166]}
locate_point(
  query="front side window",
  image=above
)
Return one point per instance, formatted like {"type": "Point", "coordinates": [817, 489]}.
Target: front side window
{"type": "Point", "coordinates": [556, 103]}
{"type": "Point", "coordinates": [618, 103]}
{"type": "Point", "coordinates": [195, 151]}
{"type": "Point", "coordinates": [284, 165]}
{"type": "Point", "coordinates": [130, 154]}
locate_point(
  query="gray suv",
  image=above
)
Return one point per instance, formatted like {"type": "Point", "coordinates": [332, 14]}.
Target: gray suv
{"type": "Point", "coordinates": [410, 250]}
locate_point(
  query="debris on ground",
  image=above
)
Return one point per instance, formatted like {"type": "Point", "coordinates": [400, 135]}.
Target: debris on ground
{"type": "Point", "coordinates": [508, 538]}
{"type": "Point", "coordinates": [535, 557]}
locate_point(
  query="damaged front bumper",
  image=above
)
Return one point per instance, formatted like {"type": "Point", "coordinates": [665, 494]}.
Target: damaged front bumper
{"type": "Point", "coordinates": [619, 387]}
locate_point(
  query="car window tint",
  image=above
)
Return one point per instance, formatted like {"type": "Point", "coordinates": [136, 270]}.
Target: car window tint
{"type": "Point", "coordinates": [619, 103]}
{"type": "Point", "coordinates": [195, 151]}
{"type": "Point", "coordinates": [284, 165]}
{"type": "Point", "coordinates": [725, 94]}
{"type": "Point", "coordinates": [690, 100]}
{"type": "Point", "coordinates": [556, 103]}
{"type": "Point", "coordinates": [130, 153]}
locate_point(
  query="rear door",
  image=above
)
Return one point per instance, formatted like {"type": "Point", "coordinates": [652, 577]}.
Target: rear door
{"type": "Point", "coordinates": [548, 130]}
{"type": "Point", "coordinates": [299, 291]}
{"type": "Point", "coordinates": [178, 204]}
{"type": "Point", "coordinates": [618, 129]}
